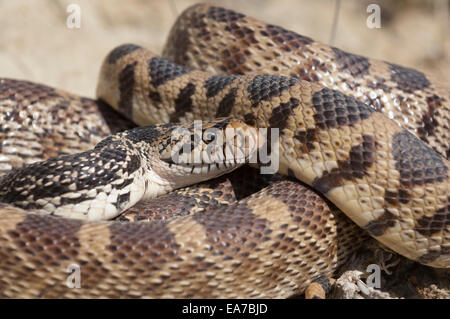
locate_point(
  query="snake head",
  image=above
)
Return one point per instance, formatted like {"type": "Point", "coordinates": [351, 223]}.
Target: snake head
{"type": "Point", "coordinates": [204, 150]}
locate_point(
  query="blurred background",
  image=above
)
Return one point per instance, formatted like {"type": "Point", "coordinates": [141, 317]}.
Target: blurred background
{"type": "Point", "coordinates": [37, 45]}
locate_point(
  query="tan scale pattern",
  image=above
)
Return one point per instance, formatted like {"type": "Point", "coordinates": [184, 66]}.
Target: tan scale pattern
{"type": "Point", "coordinates": [185, 201]}
{"type": "Point", "coordinates": [243, 250]}
{"type": "Point", "coordinates": [218, 40]}
{"type": "Point", "coordinates": [337, 146]}
{"type": "Point", "coordinates": [39, 122]}
{"type": "Point", "coordinates": [222, 191]}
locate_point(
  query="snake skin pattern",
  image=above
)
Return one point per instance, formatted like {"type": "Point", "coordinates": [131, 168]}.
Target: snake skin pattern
{"type": "Point", "coordinates": [386, 179]}
{"type": "Point", "coordinates": [276, 241]}
{"type": "Point", "coordinates": [39, 122]}
{"type": "Point", "coordinates": [218, 40]}
{"type": "Point", "coordinates": [222, 191]}
{"type": "Point", "coordinates": [272, 244]}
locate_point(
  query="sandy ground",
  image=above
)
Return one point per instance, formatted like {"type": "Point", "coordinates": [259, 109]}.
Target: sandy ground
{"type": "Point", "coordinates": [37, 45]}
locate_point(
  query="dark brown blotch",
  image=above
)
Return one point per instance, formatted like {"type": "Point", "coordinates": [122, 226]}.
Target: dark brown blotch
{"type": "Point", "coordinates": [281, 113]}
{"type": "Point", "coordinates": [133, 164]}
{"type": "Point", "coordinates": [306, 139]}
{"type": "Point", "coordinates": [408, 80]}
{"type": "Point", "coordinates": [358, 66]}
{"type": "Point", "coordinates": [233, 226]}
{"type": "Point", "coordinates": [429, 121]}
{"type": "Point", "coordinates": [183, 102]}
{"type": "Point", "coordinates": [116, 121]}
{"type": "Point", "coordinates": [334, 109]}
{"type": "Point", "coordinates": [265, 86]}
{"type": "Point", "coordinates": [417, 163]}
{"type": "Point", "coordinates": [227, 103]}
{"type": "Point", "coordinates": [217, 83]}
{"type": "Point", "coordinates": [380, 225]}
{"type": "Point", "coordinates": [155, 97]}
{"type": "Point", "coordinates": [126, 89]}
{"type": "Point", "coordinates": [250, 119]}
{"type": "Point", "coordinates": [121, 51]}
{"type": "Point", "coordinates": [428, 226]}
{"type": "Point", "coordinates": [396, 197]}
{"type": "Point", "coordinates": [154, 240]}
{"type": "Point", "coordinates": [46, 242]}
{"type": "Point", "coordinates": [361, 158]}
{"type": "Point", "coordinates": [162, 71]}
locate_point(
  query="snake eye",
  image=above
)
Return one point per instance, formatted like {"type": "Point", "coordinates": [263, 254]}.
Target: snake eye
{"type": "Point", "coordinates": [208, 137]}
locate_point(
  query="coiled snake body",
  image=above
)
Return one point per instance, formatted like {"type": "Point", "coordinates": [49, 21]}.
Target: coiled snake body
{"type": "Point", "coordinates": [273, 243]}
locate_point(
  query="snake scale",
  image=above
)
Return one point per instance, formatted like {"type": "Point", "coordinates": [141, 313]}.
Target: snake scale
{"type": "Point", "coordinates": [371, 136]}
